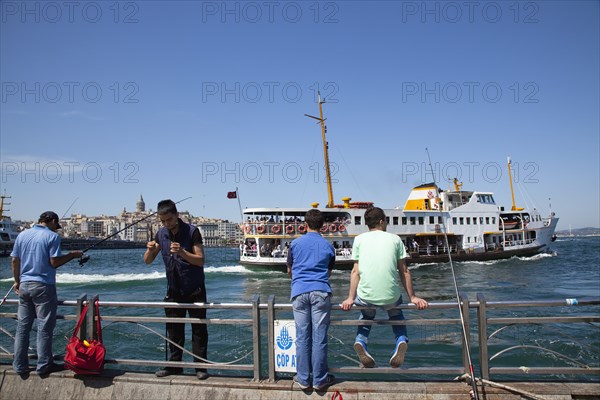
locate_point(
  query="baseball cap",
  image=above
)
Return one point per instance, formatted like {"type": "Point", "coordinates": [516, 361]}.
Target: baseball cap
{"type": "Point", "coordinates": [49, 216]}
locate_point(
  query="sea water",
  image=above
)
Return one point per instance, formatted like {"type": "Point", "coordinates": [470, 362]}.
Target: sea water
{"type": "Point", "coordinates": [572, 271]}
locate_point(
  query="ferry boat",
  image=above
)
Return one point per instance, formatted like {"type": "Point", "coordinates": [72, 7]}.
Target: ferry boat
{"type": "Point", "coordinates": [8, 229]}
{"type": "Point", "coordinates": [435, 224]}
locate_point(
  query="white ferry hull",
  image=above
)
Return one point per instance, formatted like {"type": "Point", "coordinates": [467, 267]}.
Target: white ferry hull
{"type": "Point", "coordinates": [476, 229]}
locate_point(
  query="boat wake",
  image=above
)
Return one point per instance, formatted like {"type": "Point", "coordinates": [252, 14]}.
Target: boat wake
{"type": "Point", "coordinates": [536, 257]}
{"type": "Point", "coordinates": [228, 269]}
{"type": "Point", "coordinates": [98, 278]}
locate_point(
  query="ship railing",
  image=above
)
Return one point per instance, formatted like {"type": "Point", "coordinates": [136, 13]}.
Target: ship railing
{"type": "Point", "coordinates": [436, 249]}
{"type": "Point", "coordinates": [518, 242]}
{"type": "Point", "coordinates": [344, 253]}
{"type": "Point", "coordinates": [289, 228]}
{"type": "Point", "coordinates": [553, 334]}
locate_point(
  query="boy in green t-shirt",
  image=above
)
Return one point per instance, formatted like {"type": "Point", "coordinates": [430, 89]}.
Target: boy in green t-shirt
{"type": "Point", "coordinates": [375, 281]}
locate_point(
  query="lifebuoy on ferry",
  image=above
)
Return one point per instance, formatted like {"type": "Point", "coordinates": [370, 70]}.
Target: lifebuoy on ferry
{"type": "Point", "coordinates": [289, 229]}
{"type": "Point", "coordinates": [324, 229]}
{"type": "Point", "coordinates": [342, 228]}
{"type": "Point", "coordinates": [247, 229]}
{"type": "Point", "coordinates": [333, 228]}
{"type": "Point", "coordinates": [301, 228]}
{"type": "Point", "coordinates": [260, 229]}
{"type": "Point", "coordinates": [276, 229]}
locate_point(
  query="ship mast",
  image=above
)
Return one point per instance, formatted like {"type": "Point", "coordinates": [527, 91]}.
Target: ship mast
{"type": "Point", "coordinates": [4, 196]}
{"type": "Point", "coordinates": [512, 192]}
{"type": "Point", "coordinates": [325, 150]}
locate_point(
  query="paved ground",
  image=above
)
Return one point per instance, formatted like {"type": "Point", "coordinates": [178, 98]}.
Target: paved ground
{"type": "Point", "coordinates": [118, 385]}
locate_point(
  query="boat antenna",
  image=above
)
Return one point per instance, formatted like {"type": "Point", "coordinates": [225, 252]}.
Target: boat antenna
{"type": "Point", "coordinates": [84, 259]}
{"type": "Point", "coordinates": [460, 311]}
{"type": "Point", "coordinates": [325, 149]}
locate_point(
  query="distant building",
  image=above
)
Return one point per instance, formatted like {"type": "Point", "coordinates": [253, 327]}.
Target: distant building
{"type": "Point", "coordinates": [215, 232]}
{"type": "Point", "coordinates": [230, 233]}
{"type": "Point", "coordinates": [140, 206]}
{"type": "Point", "coordinates": [209, 232]}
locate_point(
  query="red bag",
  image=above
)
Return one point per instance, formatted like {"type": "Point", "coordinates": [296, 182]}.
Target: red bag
{"type": "Point", "coordinates": [83, 357]}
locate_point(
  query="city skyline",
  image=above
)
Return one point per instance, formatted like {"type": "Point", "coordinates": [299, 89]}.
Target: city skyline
{"type": "Point", "coordinates": [103, 101]}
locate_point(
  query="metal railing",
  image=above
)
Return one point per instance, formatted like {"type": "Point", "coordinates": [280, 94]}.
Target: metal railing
{"type": "Point", "coordinates": [485, 311]}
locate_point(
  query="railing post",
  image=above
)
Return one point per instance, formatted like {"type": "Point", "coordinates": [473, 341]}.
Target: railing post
{"type": "Point", "coordinates": [83, 330]}
{"type": "Point", "coordinates": [91, 318]}
{"type": "Point", "coordinates": [256, 336]}
{"type": "Point", "coordinates": [271, 337]}
{"type": "Point", "coordinates": [464, 304]}
{"type": "Point", "coordinates": [483, 339]}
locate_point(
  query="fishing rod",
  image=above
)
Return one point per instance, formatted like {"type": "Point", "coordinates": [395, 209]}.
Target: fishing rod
{"type": "Point", "coordinates": [7, 293]}
{"type": "Point", "coordinates": [76, 198]}
{"type": "Point", "coordinates": [85, 258]}
{"type": "Point", "coordinates": [462, 318]}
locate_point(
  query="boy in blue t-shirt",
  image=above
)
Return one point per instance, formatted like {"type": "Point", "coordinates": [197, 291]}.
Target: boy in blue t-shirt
{"type": "Point", "coordinates": [309, 263]}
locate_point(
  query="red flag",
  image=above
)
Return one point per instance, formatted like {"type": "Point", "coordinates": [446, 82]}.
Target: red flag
{"type": "Point", "coordinates": [232, 195]}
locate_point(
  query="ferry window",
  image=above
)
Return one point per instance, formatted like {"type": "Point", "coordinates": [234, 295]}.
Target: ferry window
{"type": "Point", "coordinates": [480, 220]}
{"type": "Point", "coordinates": [421, 220]}
{"type": "Point", "coordinates": [432, 219]}
{"type": "Point", "coordinates": [387, 220]}
{"type": "Point", "coordinates": [403, 220]}
{"type": "Point", "coordinates": [357, 220]}
{"type": "Point", "coordinates": [468, 220]}
{"type": "Point", "coordinates": [395, 220]}
{"type": "Point", "coordinates": [474, 220]}
{"type": "Point", "coordinates": [487, 220]}
{"type": "Point", "coordinates": [493, 220]}
{"type": "Point", "coordinates": [412, 220]}
{"type": "Point", "coordinates": [453, 220]}
{"type": "Point", "coordinates": [468, 239]}
{"type": "Point", "coordinates": [462, 220]}
{"type": "Point", "coordinates": [440, 220]}
{"type": "Point", "coordinates": [492, 200]}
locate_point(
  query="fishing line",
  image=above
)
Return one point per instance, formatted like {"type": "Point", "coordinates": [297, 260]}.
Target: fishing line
{"type": "Point", "coordinates": [77, 198]}
{"type": "Point", "coordinates": [462, 318]}
{"type": "Point", "coordinates": [85, 258]}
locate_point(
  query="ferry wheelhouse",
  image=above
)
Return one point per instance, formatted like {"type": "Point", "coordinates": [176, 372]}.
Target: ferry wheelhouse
{"type": "Point", "coordinates": [434, 224]}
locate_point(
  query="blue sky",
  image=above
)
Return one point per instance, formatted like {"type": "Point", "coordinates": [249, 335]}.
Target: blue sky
{"type": "Point", "coordinates": [104, 101]}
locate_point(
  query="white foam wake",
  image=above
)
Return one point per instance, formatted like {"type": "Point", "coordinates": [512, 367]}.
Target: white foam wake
{"type": "Point", "coordinates": [229, 269]}
{"type": "Point", "coordinates": [98, 278]}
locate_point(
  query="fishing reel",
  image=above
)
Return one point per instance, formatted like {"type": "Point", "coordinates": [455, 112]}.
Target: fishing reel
{"type": "Point", "coordinates": [84, 258]}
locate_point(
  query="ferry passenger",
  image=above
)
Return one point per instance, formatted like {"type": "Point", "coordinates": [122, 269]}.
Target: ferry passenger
{"type": "Point", "coordinates": [415, 245]}
{"type": "Point", "coordinates": [35, 256]}
{"type": "Point", "coordinates": [379, 268]}
{"type": "Point", "coordinates": [180, 245]}
{"type": "Point", "coordinates": [309, 263]}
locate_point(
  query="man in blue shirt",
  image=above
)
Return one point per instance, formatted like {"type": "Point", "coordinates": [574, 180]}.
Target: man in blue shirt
{"type": "Point", "coordinates": [35, 257]}
{"type": "Point", "coordinates": [309, 263]}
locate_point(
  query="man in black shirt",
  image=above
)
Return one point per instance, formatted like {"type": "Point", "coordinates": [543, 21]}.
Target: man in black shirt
{"type": "Point", "coordinates": [180, 245]}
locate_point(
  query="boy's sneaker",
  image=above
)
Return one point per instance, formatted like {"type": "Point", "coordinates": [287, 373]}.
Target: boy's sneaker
{"type": "Point", "coordinates": [399, 352]}
{"type": "Point", "coordinates": [301, 385]}
{"type": "Point", "coordinates": [363, 354]}
{"type": "Point", "coordinates": [328, 382]}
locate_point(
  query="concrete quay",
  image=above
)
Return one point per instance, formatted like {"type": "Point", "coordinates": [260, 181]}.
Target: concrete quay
{"type": "Point", "coordinates": [118, 385]}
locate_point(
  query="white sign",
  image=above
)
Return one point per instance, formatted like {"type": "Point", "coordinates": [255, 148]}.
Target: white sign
{"type": "Point", "coordinates": [285, 345]}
